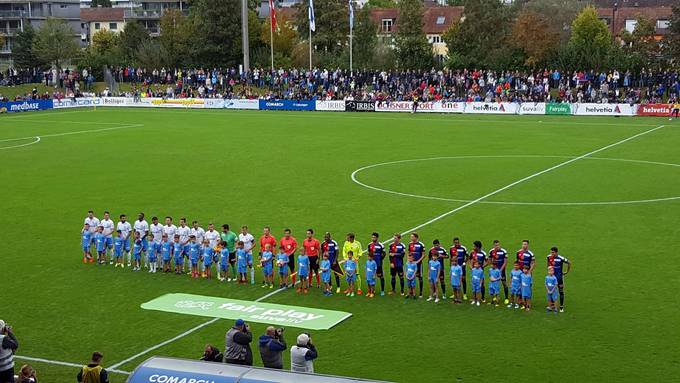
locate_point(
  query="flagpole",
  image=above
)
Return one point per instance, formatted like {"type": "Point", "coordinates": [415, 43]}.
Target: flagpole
{"type": "Point", "coordinates": [350, 49]}
{"type": "Point", "coordinates": [310, 46]}
{"type": "Point", "coordinates": [271, 37]}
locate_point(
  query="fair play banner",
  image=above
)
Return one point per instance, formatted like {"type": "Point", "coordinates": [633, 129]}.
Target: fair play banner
{"type": "Point", "coordinates": [270, 313]}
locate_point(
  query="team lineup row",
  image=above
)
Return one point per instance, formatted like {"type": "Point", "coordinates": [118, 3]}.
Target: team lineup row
{"type": "Point", "coordinates": [178, 248]}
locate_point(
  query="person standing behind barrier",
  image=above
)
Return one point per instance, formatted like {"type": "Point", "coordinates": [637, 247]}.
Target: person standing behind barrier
{"type": "Point", "coordinates": [237, 349]}
{"type": "Point", "coordinates": [8, 345]}
{"type": "Point", "coordinates": [302, 355]}
{"type": "Point", "coordinates": [272, 345]}
{"type": "Point", "coordinates": [94, 372]}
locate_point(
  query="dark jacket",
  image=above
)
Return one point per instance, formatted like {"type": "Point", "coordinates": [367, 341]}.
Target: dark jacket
{"type": "Point", "coordinates": [103, 375]}
{"type": "Point", "coordinates": [214, 356]}
{"type": "Point", "coordinates": [271, 351]}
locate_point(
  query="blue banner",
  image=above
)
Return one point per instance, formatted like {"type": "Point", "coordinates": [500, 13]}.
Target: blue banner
{"type": "Point", "coordinates": [23, 106]}
{"type": "Point", "coordinates": [287, 105]}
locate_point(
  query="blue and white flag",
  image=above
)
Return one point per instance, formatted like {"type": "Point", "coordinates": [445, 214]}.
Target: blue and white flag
{"type": "Point", "coordinates": [351, 16]}
{"type": "Point", "coordinates": [310, 13]}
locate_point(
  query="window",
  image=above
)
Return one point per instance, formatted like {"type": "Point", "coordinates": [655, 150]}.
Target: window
{"type": "Point", "coordinates": [63, 6]}
{"type": "Point", "coordinates": [435, 39]}
{"type": "Point", "coordinates": [662, 24]}
{"type": "Point", "coordinates": [113, 26]}
{"type": "Point", "coordinates": [387, 25]}
{"type": "Point", "coordinates": [97, 26]}
{"type": "Point", "coordinates": [630, 25]}
{"type": "Point", "coordinates": [441, 20]}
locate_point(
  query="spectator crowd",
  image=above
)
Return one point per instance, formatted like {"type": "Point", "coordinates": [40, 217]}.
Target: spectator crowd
{"type": "Point", "coordinates": [548, 85]}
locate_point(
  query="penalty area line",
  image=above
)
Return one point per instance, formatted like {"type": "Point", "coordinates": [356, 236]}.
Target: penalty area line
{"type": "Point", "coordinates": [67, 364]}
{"type": "Point", "coordinates": [435, 219]}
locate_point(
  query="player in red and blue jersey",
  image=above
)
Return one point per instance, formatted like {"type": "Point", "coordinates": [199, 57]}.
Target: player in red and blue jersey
{"type": "Point", "coordinates": [458, 254]}
{"type": "Point", "coordinates": [330, 248]}
{"type": "Point", "coordinates": [480, 256]}
{"type": "Point", "coordinates": [500, 256]}
{"type": "Point", "coordinates": [526, 257]}
{"type": "Point", "coordinates": [557, 262]}
{"type": "Point", "coordinates": [441, 255]}
{"type": "Point", "coordinates": [416, 249]}
{"type": "Point", "coordinates": [397, 252]}
{"type": "Point", "coordinates": [377, 250]}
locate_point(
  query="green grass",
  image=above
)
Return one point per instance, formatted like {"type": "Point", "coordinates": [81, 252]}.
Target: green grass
{"type": "Point", "coordinates": [293, 170]}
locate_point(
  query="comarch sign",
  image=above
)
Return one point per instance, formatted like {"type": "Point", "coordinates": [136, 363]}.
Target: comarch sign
{"type": "Point", "coordinates": [80, 102]}
{"type": "Point", "coordinates": [213, 307]}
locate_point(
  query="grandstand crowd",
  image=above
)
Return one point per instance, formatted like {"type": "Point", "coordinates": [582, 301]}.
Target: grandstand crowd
{"type": "Point", "coordinates": [232, 257]}
{"type": "Point", "coordinates": [548, 85]}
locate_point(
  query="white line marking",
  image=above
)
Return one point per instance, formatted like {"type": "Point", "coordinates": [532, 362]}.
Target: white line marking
{"type": "Point", "coordinates": [73, 122]}
{"type": "Point", "coordinates": [128, 126]}
{"type": "Point", "coordinates": [68, 364]}
{"type": "Point", "coordinates": [32, 114]}
{"type": "Point", "coordinates": [405, 232]}
{"type": "Point", "coordinates": [35, 141]}
{"type": "Point", "coordinates": [663, 199]}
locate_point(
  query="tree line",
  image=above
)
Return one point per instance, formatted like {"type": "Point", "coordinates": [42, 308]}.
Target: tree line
{"type": "Point", "coordinates": [529, 34]}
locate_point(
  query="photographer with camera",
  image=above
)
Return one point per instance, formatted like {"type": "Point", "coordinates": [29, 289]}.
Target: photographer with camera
{"type": "Point", "coordinates": [302, 355]}
{"type": "Point", "coordinates": [8, 345]}
{"type": "Point", "coordinates": [237, 350]}
{"type": "Point", "coordinates": [272, 345]}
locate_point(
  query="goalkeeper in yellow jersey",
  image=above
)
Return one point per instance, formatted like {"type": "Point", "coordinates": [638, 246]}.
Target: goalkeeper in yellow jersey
{"type": "Point", "coordinates": [355, 247]}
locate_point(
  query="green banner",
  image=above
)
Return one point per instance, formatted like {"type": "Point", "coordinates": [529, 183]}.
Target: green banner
{"type": "Point", "coordinates": [558, 109]}
{"type": "Point", "coordinates": [275, 314]}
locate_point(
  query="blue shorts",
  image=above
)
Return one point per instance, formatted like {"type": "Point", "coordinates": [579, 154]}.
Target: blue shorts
{"type": "Point", "coordinates": [326, 277]}
{"type": "Point", "coordinates": [411, 283]}
{"type": "Point", "coordinates": [303, 274]}
{"type": "Point", "coordinates": [494, 289]}
{"type": "Point", "coordinates": [350, 278]}
{"type": "Point", "coordinates": [370, 282]}
{"type": "Point", "coordinates": [476, 287]}
{"type": "Point", "coordinates": [101, 249]}
{"type": "Point", "coordinates": [283, 271]}
{"type": "Point", "coordinates": [553, 296]}
{"type": "Point", "coordinates": [194, 262]}
{"type": "Point", "coordinates": [456, 287]}
{"type": "Point", "coordinates": [242, 269]}
{"type": "Point", "coordinates": [515, 290]}
{"type": "Point", "coordinates": [179, 261]}
{"type": "Point", "coordinates": [207, 262]}
{"type": "Point", "coordinates": [126, 246]}
{"type": "Point", "coordinates": [268, 271]}
{"type": "Point", "coordinates": [86, 248]}
{"type": "Point", "coordinates": [108, 242]}
{"type": "Point", "coordinates": [152, 257]}
{"type": "Point", "coordinates": [166, 258]}
{"type": "Point", "coordinates": [432, 280]}
{"type": "Point", "coordinates": [137, 256]}
{"type": "Point", "coordinates": [526, 294]}
{"type": "Point", "coordinates": [224, 265]}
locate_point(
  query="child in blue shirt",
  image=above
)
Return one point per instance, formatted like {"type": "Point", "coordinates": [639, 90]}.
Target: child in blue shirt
{"type": "Point", "coordinates": [193, 251]}
{"type": "Point", "coordinates": [100, 243]}
{"type": "Point", "coordinates": [85, 240]}
{"type": "Point", "coordinates": [456, 275]}
{"type": "Point", "coordinates": [494, 283]}
{"type": "Point", "coordinates": [326, 274]}
{"type": "Point", "coordinates": [371, 268]}
{"type": "Point", "coordinates": [137, 252]}
{"type": "Point", "coordinates": [224, 261]}
{"type": "Point", "coordinates": [477, 280]}
{"type": "Point", "coordinates": [303, 272]}
{"type": "Point", "coordinates": [411, 271]}
{"type": "Point", "coordinates": [551, 289]}
{"type": "Point", "coordinates": [527, 283]}
{"type": "Point", "coordinates": [153, 252]}
{"type": "Point", "coordinates": [434, 269]}
{"type": "Point", "coordinates": [241, 262]}
{"type": "Point", "coordinates": [515, 286]}
{"type": "Point", "coordinates": [267, 266]}
{"type": "Point", "coordinates": [166, 252]}
{"type": "Point", "coordinates": [177, 253]}
{"type": "Point", "coordinates": [207, 254]}
{"type": "Point", "coordinates": [282, 262]}
{"type": "Point", "coordinates": [118, 247]}
{"type": "Point", "coordinates": [350, 272]}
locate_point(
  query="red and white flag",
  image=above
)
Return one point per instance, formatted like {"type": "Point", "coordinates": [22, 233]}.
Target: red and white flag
{"type": "Point", "coordinates": [272, 14]}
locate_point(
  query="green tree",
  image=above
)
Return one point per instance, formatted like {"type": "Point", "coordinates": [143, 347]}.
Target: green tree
{"type": "Point", "coordinates": [481, 38]}
{"type": "Point", "coordinates": [560, 13]}
{"type": "Point", "coordinates": [285, 38]}
{"type": "Point", "coordinates": [412, 50]}
{"type": "Point", "coordinates": [590, 39]}
{"type": "Point", "coordinates": [531, 33]}
{"type": "Point", "coordinates": [672, 39]}
{"type": "Point", "coordinates": [151, 54]}
{"type": "Point", "coordinates": [380, 4]}
{"type": "Point", "coordinates": [216, 37]}
{"type": "Point", "coordinates": [100, 3]}
{"type": "Point", "coordinates": [641, 47]}
{"type": "Point", "coordinates": [131, 38]}
{"type": "Point", "coordinates": [331, 18]}
{"type": "Point", "coordinates": [365, 39]}
{"type": "Point", "coordinates": [54, 42]}
{"type": "Point", "coordinates": [22, 52]}
{"type": "Point", "coordinates": [174, 38]}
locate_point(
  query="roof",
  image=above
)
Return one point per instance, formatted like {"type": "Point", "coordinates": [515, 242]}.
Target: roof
{"type": "Point", "coordinates": [632, 13]}
{"type": "Point", "coordinates": [101, 14]}
{"type": "Point", "coordinates": [436, 20]}
{"type": "Point", "coordinates": [634, 3]}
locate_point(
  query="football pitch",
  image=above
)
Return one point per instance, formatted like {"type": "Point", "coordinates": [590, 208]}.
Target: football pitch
{"type": "Point", "coordinates": [606, 191]}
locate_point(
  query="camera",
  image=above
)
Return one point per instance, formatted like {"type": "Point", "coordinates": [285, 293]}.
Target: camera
{"type": "Point", "coordinates": [279, 332]}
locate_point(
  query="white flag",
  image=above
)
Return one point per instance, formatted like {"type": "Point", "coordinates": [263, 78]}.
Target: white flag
{"type": "Point", "coordinates": [310, 12]}
{"type": "Point", "coordinates": [351, 16]}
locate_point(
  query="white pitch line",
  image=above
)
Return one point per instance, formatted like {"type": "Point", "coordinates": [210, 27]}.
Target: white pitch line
{"type": "Point", "coordinates": [128, 126]}
{"type": "Point", "coordinates": [35, 141]}
{"type": "Point", "coordinates": [67, 364]}
{"type": "Point", "coordinates": [31, 114]}
{"type": "Point", "coordinates": [437, 218]}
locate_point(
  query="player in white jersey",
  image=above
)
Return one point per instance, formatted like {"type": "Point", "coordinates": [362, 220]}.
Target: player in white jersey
{"type": "Point", "coordinates": [169, 229]}
{"type": "Point", "coordinates": [184, 231]}
{"type": "Point", "coordinates": [142, 227]}
{"type": "Point", "coordinates": [125, 230]}
{"type": "Point", "coordinates": [248, 244]}
{"type": "Point", "coordinates": [156, 230]}
{"type": "Point", "coordinates": [108, 226]}
{"type": "Point", "coordinates": [93, 223]}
